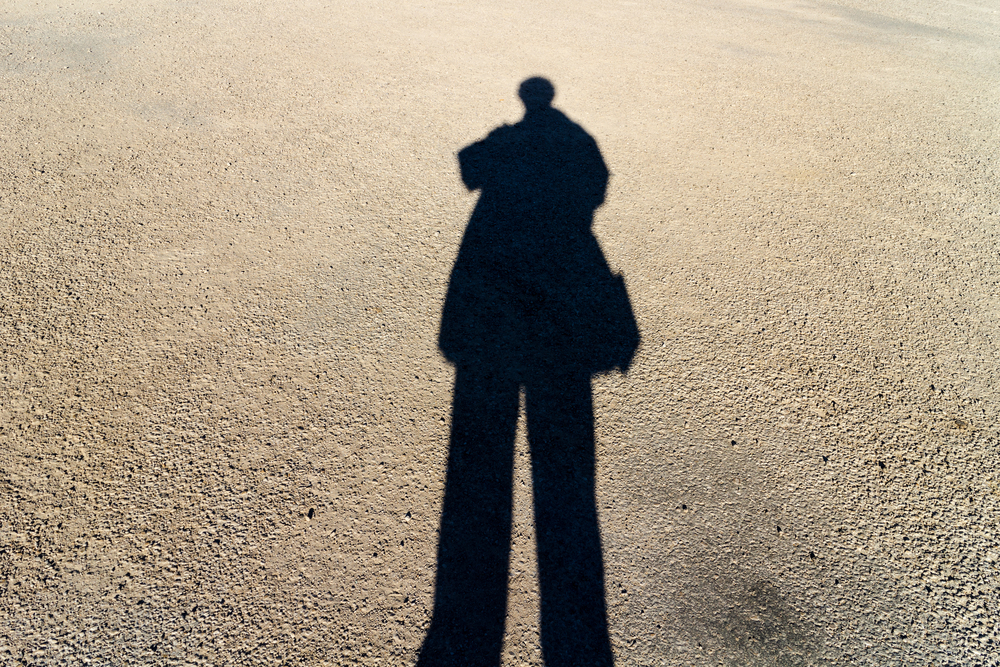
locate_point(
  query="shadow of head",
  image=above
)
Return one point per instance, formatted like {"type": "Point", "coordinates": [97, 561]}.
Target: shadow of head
{"type": "Point", "coordinates": [536, 93]}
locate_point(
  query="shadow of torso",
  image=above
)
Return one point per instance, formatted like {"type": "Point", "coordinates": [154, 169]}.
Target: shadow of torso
{"type": "Point", "coordinates": [531, 288]}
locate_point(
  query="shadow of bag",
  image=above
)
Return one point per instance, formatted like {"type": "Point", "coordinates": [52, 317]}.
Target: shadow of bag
{"type": "Point", "coordinates": [610, 333]}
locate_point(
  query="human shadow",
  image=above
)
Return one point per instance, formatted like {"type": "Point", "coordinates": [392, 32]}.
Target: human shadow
{"type": "Point", "coordinates": [531, 305]}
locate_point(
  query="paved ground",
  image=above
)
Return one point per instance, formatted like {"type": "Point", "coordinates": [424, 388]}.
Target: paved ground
{"type": "Point", "coordinates": [226, 231]}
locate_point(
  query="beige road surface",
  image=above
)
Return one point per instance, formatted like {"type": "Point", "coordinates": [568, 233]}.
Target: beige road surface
{"type": "Point", "coordinates": [226, 231]}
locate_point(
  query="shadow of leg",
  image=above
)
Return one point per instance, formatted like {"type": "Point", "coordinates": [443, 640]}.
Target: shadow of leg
{"type": "Point", "coordinates": [574, 625]}
{"type": "Point", "coordinates": [470, 599]}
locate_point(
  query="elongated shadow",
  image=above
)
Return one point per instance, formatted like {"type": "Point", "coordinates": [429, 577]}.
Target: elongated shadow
{"type": "Point", "coordinates": [531, 305]}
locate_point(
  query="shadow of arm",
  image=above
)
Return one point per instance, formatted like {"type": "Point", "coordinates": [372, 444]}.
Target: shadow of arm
{"type": "Point", "coordinates": [472, 162]}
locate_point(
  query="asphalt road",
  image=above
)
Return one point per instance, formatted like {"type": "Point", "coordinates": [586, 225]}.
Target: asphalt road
{"type": "Point", "coordinates": [226, 236]}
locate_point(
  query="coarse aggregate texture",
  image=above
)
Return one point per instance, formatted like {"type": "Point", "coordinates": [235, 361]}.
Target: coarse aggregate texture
{"type": "Point", "coordinates": [226, 231]}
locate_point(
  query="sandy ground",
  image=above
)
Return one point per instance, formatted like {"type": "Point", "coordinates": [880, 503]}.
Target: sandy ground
{"type": "Point", "coordinates": [226, 231]}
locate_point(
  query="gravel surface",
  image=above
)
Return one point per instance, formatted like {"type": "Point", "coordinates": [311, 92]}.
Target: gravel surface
{"type": "Point", "coordinates": [226, 231]}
